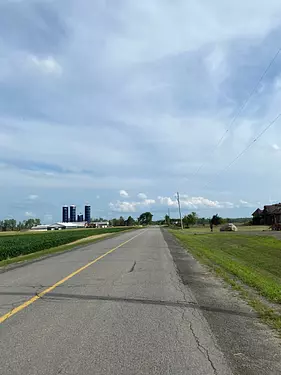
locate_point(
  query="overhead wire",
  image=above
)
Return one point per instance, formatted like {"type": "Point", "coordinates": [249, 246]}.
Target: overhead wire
{"type": "Point", "coordinates": [248, 147]}
{"type": "Point", "coordinates": [241, 108]}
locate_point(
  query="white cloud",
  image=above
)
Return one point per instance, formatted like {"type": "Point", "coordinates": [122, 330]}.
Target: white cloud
{"type": "Point", "coordinates": [193, 202]}
{"type": "Point", "coordinates": [29, 214]}
{"type": "Point", "coordinates": [147, 202]}
{"type": "Point", "coordinates": [167, 201]}
{"type": "Point", "coordinates": [154, 29]}
{"type": "Point", "coordinates": [243, 203]}
{"type": "Point", "coordinates": [123, 194]}
{"type": "Point", "coordinates": [132, 101]}
{"type": "Point", "coordinates": [124, 206]}
{"type": "Point", "coordinates": [32, 197]}
{"type": "Point", "coordinates": [47, 66]}
{"type": "Point", "coordinates": [142, 196]}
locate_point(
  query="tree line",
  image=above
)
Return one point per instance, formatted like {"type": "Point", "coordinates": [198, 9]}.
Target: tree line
{"type": "Point", "coordinates": [144, 219]}
{"type": "Point", "coordinates": [12, 224]}
{"type": "Point", "coordinates": [193, 219]}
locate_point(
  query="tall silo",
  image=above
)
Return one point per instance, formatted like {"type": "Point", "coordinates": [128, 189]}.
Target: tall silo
{"type": "Point", "coordinates": [65, 214]}
{"type": "Point", "coordinates": [88, 213]}
{"type": "Point", "coordinates": [80, 218]}
{"type": "Point", "coordinates": [72, 213]}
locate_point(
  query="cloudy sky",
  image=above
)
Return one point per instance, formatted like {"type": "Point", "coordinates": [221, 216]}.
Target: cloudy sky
{"type": "Point", "coordinates": [121, 103]}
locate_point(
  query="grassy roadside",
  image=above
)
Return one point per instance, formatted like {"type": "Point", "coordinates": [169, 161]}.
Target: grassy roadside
{"type": "Point", "coordinates": [58, 249]}
{"type": "Point", "coordinates": [250, 264]}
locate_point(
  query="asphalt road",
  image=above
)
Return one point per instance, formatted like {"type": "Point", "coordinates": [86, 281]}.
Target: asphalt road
{"type": "Point", "coordinates": [130, 312]}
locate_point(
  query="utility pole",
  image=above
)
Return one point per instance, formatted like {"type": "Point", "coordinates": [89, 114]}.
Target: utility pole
{"type": "Point", "coordinates": [179, 204]}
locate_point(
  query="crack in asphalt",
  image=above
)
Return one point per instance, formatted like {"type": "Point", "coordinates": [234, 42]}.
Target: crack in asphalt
{"type": "Point", "coordinates": [201, 347]}
{"type": "Point", "coordinates": [133, 267]}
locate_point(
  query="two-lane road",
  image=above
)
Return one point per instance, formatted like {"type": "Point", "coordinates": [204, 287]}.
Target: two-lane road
{"type": "Point", "coordinates": [114, 307]}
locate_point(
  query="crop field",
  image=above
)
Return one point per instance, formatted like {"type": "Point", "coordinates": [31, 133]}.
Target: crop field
{"type": "Point", "coordinates": [253, 259]}
{"type": "Point", "coordinates": [12, 245]}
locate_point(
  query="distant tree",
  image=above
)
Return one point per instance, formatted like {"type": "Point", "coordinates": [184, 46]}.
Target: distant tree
{"type": "Point", "coordinates": [37, 222]}
{"type": "Point", "coordinates": [8, 224]}
{"type": "Point", "coordinates": [202, 221]}
{"type": "Point", "coordinates": [145, 218]}
{"type": "Point", "coordinates": [121, 221]}
{"type": "Point", "coordinates": [216, 220]}
{"type": "Point", "coordinates": [28, 224]}
{"type": "Point", "coordinates": [130, 221]}
{"type": "Point", "coordinates": [167, 219]}
{"type": "Point", "coordinates": [115, 222]}
{"type": "Point", "coordinates": [190, 219]}
{"type": "Point", "coordinates": [20, 225]}
{"type": "Point", "coordinates": [11, 224]}
{"type": "Point", "coordinates": [97, 220]}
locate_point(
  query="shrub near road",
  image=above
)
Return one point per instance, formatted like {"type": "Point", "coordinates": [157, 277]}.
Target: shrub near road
{"type": "Point", "coordinates": [255, 260]}
{"type": "Point", "coordinates": [12, 245]}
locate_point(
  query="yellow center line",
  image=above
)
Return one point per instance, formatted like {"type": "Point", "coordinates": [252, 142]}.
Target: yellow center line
{"type": "Point", "coordinates": [48, 290]}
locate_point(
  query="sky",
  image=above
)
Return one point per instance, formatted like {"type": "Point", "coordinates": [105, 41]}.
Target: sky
{"type": "Point", "coordinates": [121, 104]}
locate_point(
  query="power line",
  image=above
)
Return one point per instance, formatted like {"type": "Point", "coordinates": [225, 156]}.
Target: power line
{"type": "Point", "coordinates": [241, 108]}
{"type": "Point", "coordinates": [249, 146]}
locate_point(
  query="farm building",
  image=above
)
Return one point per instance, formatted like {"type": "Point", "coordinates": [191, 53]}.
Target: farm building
{"type": "Point", "coordinates": [59, 226]}
{"type": "Point", "coordinates": [41, 227]}
{"type": "Point", "coordinates": [271, 214]}
{"type": "Point", "coordinates": [98, 224]}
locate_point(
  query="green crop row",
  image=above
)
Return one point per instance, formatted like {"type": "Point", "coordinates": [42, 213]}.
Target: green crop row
{"type": "Point", "coordinates": [12, 246]}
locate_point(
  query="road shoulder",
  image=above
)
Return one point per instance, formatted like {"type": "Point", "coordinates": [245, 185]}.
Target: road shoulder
{"type": "Point", "coordinates": [249, 346]}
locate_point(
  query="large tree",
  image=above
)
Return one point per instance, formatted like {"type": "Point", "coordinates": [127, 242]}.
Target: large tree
{"type": "Point", "coordinates": [145, 218]}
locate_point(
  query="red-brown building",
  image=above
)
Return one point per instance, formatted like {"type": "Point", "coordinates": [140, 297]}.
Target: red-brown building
{"type": "Point", "coordinates": [271, 214]}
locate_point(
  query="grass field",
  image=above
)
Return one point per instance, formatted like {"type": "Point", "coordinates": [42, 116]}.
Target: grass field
{"type": "Point", "coordinates": [255, 260]}
{"type": "Point", "coordinates": [241, 228]}
{"type": "Point", "coordinates": [12, 246]}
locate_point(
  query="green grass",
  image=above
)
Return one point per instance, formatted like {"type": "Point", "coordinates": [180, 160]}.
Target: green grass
{"type": "Point", "coordinates": [241, 228]}
{"type": "Point", "coordinates": [242, 260]}
{"type": "Point", "coordinates": [255, 260]}
{"type": "Point", "coordinates": [14, 246]}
